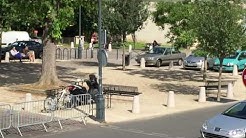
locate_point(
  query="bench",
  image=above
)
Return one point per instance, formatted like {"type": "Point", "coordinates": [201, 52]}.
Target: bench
{"type": "Point", "coordinates": [9, 57]}
{"type": "Point", "coordinates": [213, 84]}
{"type": "Point", "coordinates": [109, 90]}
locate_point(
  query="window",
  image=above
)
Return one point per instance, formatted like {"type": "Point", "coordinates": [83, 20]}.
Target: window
{"type": "Point", "coordinates": [238, 111]}
{"type": "Point", "coordinates": [242, 56]}
{"type": "Point", "coordinates": [168, 51]}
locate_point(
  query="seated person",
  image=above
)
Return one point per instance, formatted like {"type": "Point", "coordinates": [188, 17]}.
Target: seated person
{"type": "Point", "coordinates": [155, 43]}
{"type": "Point", "coordinates": [16, 54]}
{"type": "Point", "coordinates": [28, 53]}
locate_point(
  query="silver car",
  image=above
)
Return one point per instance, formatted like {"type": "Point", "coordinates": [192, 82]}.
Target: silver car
{"type": "Point", "coordinates": [229, 124]}
{"type": "Point", "coordinates": [162, 55]}
{"type": "Point", "coordinates": [196, 62]}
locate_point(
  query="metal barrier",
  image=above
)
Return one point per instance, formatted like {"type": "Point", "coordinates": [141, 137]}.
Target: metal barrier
{"type": "Point", "coordinates": [29, 113]}
{"type": "Point", "coordinates": [79, 106]}
{"type": "Point", "coordinates": [58, 53]}
{"type": "Point", "coordinates": [63, 54]}
{"type": "Point", "coordinates": [5, 118]}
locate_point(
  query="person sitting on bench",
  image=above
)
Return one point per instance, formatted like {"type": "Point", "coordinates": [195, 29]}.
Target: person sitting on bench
{"type": "Point", "coordinates": [28, 53]}
{"type": "Point", "coordinates": [16, 54]}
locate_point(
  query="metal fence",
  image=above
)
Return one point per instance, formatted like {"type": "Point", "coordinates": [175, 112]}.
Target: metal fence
{"type": "Point", "coordinates": [78, 107]}
{"type": "Point", "coordinates": [29, 113]}
{"type": "Point", "coordinates": [5, 117]}
{"type": "Point", "coordinates": [34, 112]}
{"type": "Point", "coordinates": [72, 53]}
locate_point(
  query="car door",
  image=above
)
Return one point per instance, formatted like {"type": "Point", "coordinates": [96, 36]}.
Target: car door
{"type": "Point", "coordinates": [175, 55]}
{"type": "Point", "coordinates": [166, 58]}
{"type": "Point", "coordinates": [242, 60]}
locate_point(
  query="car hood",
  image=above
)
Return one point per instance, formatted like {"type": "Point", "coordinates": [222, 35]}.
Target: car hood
{"type": "Point", "coordinates": [226, 122]}
{"type": "Point", "coordinates": [194, 59]}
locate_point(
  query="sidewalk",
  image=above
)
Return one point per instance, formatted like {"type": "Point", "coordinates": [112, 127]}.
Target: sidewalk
{"type": "Point", "coordinates": [153, 83]}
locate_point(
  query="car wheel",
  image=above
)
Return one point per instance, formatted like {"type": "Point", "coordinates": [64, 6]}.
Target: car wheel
{"type": "Point", "coordinates": [158, 63]}
{"type": "Point", "coordinates": [180, 62]}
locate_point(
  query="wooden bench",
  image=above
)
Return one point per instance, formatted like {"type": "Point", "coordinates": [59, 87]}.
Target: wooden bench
{"type": "Point", "coordinates": [213, 84]}
{"type": "Point", "coordinates": [109, 90]}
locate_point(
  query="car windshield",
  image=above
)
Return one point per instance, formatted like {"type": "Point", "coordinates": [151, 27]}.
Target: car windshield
{"type": "Point", "coordinates": [233, 56]}
{"type": "Point", "coordinates": [238, 110]}
{"type": "Point", "coordinates": [157, 50]}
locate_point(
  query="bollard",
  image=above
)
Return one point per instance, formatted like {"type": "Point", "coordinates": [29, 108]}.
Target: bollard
{"type": "Point", "coordinates": [28, 105]}
{"type": "Point", "coordinates": [170, 65]}
{"type": "Point", "coordinates": [230, 90]}
{"type": "Point", "coordinates": [90, 45]}
{"type": "Point", "coordinates": [7, 57]}
{"type": "Point", "coordinates": [202, 95]}
{"type": "Point", "coordinates": [170, 99]}
{"type": "Point", "coordinates": [130, 48]}
{"type": "Point", "coordinates": [136, 104]}
{"type": "Point", "coordinates": [142, 63]}
{"type": "Point", "coordinates": [235, 70]}
{"type": "Point", "coordinates": [72, 44]}
{"type": "Point", "coordinates": [28, 97]}
{"type": "Point", "coordinates": [109, 47]}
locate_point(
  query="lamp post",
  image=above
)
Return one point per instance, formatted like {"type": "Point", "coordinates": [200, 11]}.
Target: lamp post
{"type": "Point", "coordinates": [100, 106]}
{"type": "Point", "coordinates": [80, 46]}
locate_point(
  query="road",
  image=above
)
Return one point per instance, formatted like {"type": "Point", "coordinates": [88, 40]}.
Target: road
{"type": "Point", "coordinates": [182, 125]}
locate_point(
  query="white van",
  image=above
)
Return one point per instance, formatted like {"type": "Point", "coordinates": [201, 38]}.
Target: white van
{"type": "Point", "coordinates": [12, 36]}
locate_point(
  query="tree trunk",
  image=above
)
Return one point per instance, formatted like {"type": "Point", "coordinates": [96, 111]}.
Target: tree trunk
{"type": "Point", "coordinates": [205, 68]}
{"type": "Point", "coordinates": [219, 84]}
{"type": "Point", "coordinates": [123, 58]}
{"type": "Point", "coordinates": [49, 76]}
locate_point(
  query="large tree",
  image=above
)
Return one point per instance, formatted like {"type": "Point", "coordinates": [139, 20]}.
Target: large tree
{"type": "Point", "coordinates": [177, 15]}
{"type": "Point", "coordinates": [219, 26]}
{"type": "Point", "coordinates": [123, 17]}
{"type": "Point", "coordinates": [53, 16]}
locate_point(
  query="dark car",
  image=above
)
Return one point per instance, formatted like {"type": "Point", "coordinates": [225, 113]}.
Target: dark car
{"type": "Point", "coordinates": [162, 55]}
{"type": "Point", "coordinates": [20, 45]}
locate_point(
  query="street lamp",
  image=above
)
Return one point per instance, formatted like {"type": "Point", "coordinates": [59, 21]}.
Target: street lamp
{"type": "Point", "coordinates": [100, 105]}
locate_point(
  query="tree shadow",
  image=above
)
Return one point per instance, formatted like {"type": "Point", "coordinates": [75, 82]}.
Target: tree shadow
{"type": "Point", "coordinates": [16, 73]}
{"type": "Point", "coordinates": [177, 88]}
{"type": "Point", "coordinates": [169, 75]}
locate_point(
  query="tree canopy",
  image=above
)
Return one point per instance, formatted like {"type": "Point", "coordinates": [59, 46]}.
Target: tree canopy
{"type": "Point", "coordinates": [123, 17]}
{"type": "Point", "coordinates": [177, 15]}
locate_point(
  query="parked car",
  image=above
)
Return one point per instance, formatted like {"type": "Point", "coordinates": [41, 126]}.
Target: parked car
{"type": "Point", "coordinates": [195, 62]}
{"type": "Point", "coordinates": [20, 45]}
{"type": "Point", "coordinates": [239, 59]}
{"type": "Point", "coordinates": [162, 55]}
{"type": "Point", "coordinates": [229, 124]}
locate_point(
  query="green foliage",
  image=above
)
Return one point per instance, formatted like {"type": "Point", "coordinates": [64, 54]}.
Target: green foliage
{"type": "Point", "coordinates": [122, 17]}
{"type": "Point", "coordinates": [200, 52]}
{"type": "Point", "coordinates": [178, 15]}
{"type": "Point", "coordinates": [57, 14]}
{"type": "Point", "coordinates": [217, 26]}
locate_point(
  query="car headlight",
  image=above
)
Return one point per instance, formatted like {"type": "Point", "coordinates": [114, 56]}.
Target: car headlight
{"type": "Point", "coordinates": [230, 64]}
{"type": "Point", "coordinates": [237, 132]}
{"type": "Point", "coordinates": [205, 126]}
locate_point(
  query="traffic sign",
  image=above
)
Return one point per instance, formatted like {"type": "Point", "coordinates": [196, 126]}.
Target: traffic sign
{"type": "Point", "coordinates": [244, 77]}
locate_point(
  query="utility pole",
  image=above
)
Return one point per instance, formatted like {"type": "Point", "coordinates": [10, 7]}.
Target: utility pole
{"type": "Point", "coordinates": [100, 105]}
{"type": "Point", "coordinates": [80, 44]}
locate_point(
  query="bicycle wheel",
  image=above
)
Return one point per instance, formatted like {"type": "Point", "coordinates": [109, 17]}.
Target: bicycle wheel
{"type": "Point", "coordinates": [49, 104]}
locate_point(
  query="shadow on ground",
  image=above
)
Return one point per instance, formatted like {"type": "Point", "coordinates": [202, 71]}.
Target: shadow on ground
{"type": "Point", "coordinates": [16, 73]}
